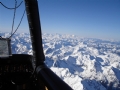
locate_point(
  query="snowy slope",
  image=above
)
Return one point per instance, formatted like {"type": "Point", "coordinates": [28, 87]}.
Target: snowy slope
{"type": "Point", "coordinates": [83, 63]}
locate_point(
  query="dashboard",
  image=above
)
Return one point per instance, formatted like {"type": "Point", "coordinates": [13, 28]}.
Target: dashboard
{"type": "Point", "coordinates": [16, 70]}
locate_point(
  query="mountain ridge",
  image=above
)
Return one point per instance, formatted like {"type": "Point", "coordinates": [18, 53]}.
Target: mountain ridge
{"type": "Point", "coordinates": [83, 63]}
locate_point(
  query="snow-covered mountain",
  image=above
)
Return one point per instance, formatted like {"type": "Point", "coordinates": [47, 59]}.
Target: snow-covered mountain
{"type": "Point", "coordinates": [83, 63]}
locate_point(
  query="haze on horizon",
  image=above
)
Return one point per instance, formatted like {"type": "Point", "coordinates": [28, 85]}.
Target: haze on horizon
{"type": "Point", "coordinates": [85, 18]}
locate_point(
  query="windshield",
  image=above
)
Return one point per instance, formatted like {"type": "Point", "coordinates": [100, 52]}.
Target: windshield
{"type": "Point", "coordinates": [81, 40]}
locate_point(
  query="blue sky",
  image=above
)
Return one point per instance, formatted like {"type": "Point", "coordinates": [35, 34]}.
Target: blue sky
{"type": "Point", "coordinates": [85, 18]}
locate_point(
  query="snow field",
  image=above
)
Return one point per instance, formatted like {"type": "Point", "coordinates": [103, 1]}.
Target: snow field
{"type": "Point", "coordinates": [83, 63]}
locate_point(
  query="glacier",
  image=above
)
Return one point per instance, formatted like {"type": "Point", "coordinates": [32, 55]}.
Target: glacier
{"type": "Point", "coordinates": [83, 63]}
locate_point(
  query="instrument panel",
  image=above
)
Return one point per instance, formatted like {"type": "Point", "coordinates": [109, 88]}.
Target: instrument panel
{"type": "Point", "coordinates": [16, 70]}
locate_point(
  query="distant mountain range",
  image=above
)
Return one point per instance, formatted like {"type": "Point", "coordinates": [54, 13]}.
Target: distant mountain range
{"type": "Point", "coordinates": [83, 63]}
